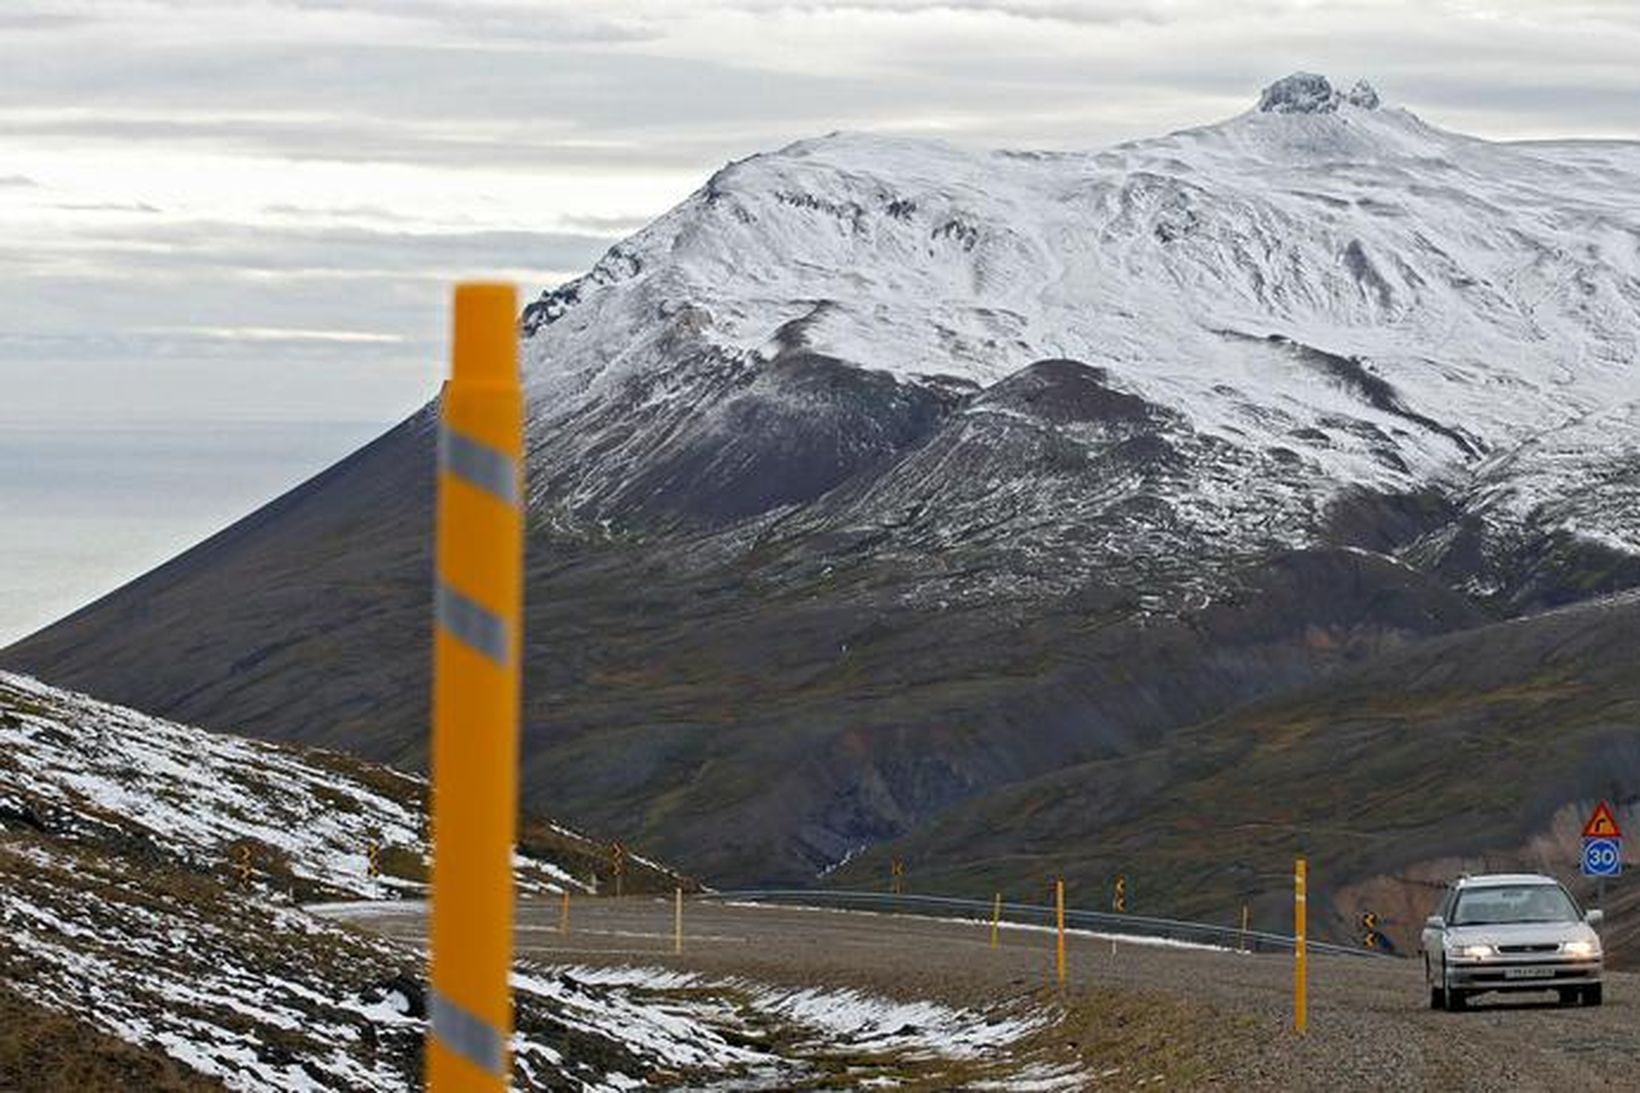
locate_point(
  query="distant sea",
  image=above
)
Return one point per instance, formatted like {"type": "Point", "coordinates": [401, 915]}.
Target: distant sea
{"type": "Point", "coordinates": [85, 508]}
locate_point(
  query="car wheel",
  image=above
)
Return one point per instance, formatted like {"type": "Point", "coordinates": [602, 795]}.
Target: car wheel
{"type": "Point", "coordinates": [1456, 1000]}
{"type": "Point", "coordinates": [1592, 995]}
{"type": "Point", "coordinates": [1437, 996]}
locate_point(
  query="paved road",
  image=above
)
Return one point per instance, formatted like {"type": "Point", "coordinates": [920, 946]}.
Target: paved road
{"type": "Point", "coordinates": [1214, 1018]}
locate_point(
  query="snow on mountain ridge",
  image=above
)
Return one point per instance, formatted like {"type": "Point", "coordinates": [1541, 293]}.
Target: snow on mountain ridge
{"type": "Point", "coordinates": [1385, 301]}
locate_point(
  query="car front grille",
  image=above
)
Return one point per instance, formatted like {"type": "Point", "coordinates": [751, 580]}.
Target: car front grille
{"type": "Point", "coordinates": [1550, 947]}
{"type": "Point", "coordinates": [1502, 978]}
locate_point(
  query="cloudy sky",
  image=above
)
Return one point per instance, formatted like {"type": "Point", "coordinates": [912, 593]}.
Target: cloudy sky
{"type": "Point", "coordinates": [252, 210]}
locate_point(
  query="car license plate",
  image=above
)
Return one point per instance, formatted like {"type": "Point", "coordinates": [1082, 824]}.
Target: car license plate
{"type": "Point", "coordinates": [1528, 973]}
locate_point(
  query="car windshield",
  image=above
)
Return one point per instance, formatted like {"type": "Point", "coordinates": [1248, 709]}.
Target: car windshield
{"type": "Point", "coordinates": [1512, 903]}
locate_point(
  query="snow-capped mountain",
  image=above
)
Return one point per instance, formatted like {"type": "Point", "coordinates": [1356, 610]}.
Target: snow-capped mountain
{"type": "Point", "coordinates": [1322, 294]}
{"type": "Point", "coordinates": [881, 473]}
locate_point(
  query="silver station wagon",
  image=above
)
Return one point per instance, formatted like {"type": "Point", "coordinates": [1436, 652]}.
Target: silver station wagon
{"type": "Point", "coordinates": [1511, 932]}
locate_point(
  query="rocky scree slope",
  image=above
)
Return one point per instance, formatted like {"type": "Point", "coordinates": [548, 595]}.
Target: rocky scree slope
{"type": "Point", "coordinates": [881, 473]}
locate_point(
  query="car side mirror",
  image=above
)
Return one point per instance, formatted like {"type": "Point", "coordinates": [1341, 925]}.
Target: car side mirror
{"type": "Point", "coordinates": [1595, 918]}
{"type": "Point", "coordinates": [1435, 922]}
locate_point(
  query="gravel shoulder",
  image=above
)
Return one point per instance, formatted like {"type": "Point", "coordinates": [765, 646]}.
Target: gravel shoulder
{"type": "Point", "coordinates": [1133, 1014]}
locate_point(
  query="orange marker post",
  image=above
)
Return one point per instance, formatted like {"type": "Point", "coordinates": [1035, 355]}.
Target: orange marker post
{"type": "Point", "coordinates": [677, 938]}
{"type": "Point", "coordinates": [1301, 956]}
{"type": "Point", "coordinates": [996, 918]}
{"type": "Point", "coordinates": [1059, 914]}
{"type": "Point", "coordinates": [563, 914]}
{"type": "Point", "coordinates": [478, 597]}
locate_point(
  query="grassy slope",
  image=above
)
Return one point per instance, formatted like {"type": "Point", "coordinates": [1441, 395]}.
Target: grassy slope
{"type": "Point", "coordinates": [1475, 751]}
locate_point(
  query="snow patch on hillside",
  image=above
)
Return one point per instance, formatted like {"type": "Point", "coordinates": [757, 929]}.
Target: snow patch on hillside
{"type": "Point", "coordinates": [309, 819]}
{"type": "Point", "coordinates": [194, 794]}
{"type": "Point", "coordinates": [120, 903]}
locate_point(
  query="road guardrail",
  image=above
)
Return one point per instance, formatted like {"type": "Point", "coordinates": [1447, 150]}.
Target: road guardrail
{"type": "Point", "coordinates": [1033, 914]}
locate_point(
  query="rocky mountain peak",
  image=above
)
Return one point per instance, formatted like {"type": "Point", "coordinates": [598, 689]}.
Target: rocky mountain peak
{"type": "Point", "coordinates": [1363, 94]}
{"type": "Point", "coordinates": [1308, 93]}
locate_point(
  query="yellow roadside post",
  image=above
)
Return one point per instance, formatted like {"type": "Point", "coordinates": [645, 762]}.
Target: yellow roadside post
{"type": "Point", "coordinates": [1059, 915]}
{"type": "Point", "coordinates": [478, 599]}
{"type": "Point", "coordinates": [1244, 927]}
{"type": "Point", "coordinates": [996, 918]}
{"type": "Point", "coordinates": [1118, 904]}
{"type": "Point", "coordinates": [563, 915]}
{"type": "Point", "coordinates": [677, 930]}
{"type": "Point", "coordinates": [1301, 959]}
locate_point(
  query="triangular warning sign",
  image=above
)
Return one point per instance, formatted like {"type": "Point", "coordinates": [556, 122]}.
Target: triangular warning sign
{"type": "Point", "coordinates": [1602, 824]}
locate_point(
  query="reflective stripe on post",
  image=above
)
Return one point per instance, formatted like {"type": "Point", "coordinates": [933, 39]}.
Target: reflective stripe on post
{"type": "Point", "coordinates": [470, 1037]}
{"type": "Point", "coordinates": [476, 627]}
{"type": "Point", "coordinates": [478, 465]}
{"type": "Point", "coordinates": [477, 648]}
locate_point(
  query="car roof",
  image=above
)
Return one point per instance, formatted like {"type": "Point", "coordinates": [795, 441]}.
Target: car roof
{"type": "Point", "coordinates": [1489, 880]}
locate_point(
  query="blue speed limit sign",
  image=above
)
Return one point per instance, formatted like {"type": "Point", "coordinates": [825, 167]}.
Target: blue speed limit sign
{"type": "Point", "coordinates": [1602, 857]}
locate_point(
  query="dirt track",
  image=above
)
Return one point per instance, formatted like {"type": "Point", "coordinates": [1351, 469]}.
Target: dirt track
{"type": "Point", "coordinates": [1191, 1017]}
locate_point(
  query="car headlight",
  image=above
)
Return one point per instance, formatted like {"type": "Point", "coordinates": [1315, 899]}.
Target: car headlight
{"type": "Point", "coordinates": [1474, 952]}
{"type": "Point", "coordinates": [1580, 948]}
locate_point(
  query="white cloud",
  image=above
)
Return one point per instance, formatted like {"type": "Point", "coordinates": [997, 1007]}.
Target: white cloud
{"type": "Point", "coordinates": [321, 165]}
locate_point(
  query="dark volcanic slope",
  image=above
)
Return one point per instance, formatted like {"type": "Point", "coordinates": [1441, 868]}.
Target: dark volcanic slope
{"type": "Point", "coordinates": [942, 592]}
{"type": "Point", "coordinates": [304, 621]}
{"type": "Point", "coordinates": [702, 701]}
